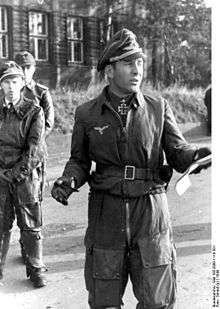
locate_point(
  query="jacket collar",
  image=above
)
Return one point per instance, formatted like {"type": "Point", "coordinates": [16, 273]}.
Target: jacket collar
{"type": "Point", "coordinates": [104, 100]}
{"type": "Point", "coordinates": [31, 85]}
{"type": "Point", "coordinates": [21, 108]}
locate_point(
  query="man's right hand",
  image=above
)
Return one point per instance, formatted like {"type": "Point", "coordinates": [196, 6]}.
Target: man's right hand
{"type": "Point", "coordinates": [59, 194]}
{"type": "Point", "coordinates": [62, 188]}
{"type": "Point", "coordinates": [6, 176]}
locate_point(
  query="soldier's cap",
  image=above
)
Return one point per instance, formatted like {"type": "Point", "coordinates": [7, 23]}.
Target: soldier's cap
{"type": "Point", "coordinates": [10, 69]}
{"type": "Point", "coordinates": [24, 58]}
{"type": "Point", "coordinates": [122, 45]}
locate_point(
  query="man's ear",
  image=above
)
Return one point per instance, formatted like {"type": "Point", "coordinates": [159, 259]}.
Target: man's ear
{"type": "Point", "coordinates": [109, 71]}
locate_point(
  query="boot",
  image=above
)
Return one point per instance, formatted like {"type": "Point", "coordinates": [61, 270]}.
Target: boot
{"type": "Point", "coordinates": [36, 277]}
{"type": "Point", "coordinates": [4, 246]}
{"type": "Point", "coordinates": [33, 248]}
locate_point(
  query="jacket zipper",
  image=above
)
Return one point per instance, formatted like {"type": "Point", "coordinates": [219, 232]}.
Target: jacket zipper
{"type": "Point", "coordinates": [127, 210]}
{"type": "Point", "coordinates": [128, 229]}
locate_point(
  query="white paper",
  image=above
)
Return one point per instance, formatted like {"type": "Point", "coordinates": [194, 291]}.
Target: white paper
{"type": "Point", "coordinates": [183, 183]}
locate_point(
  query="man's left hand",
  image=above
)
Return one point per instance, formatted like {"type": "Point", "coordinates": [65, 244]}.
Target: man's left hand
{"type": "Point", "coordinates": [201, 153]}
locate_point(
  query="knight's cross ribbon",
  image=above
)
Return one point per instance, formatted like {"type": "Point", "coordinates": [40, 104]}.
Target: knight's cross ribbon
{"type": "Point", "coordinates": [123, 109]}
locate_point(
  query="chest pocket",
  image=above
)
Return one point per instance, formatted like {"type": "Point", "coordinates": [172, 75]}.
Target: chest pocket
{"type": "Point", "coordinates": [103, 142]}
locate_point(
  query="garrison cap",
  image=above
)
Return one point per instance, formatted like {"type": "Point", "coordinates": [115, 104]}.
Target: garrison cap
{"type": "Point", "coordinates": [123, 44]}
{"type": "Point", "coordinates": [24, 58]}
{"type": "Point", "coordinates": [10, 69]}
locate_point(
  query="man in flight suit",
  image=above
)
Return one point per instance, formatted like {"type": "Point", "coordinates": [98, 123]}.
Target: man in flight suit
{"type": "Point", "coordinates": [22, 129]}
{"type": "Point", "coordinates": [41, 94]}
{"type": "Point", "coordinates": [126, 133]}
{"type": "Point", "coordinates": [35, 90]}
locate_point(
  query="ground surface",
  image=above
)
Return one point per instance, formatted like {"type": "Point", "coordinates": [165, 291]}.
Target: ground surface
{"type": "Point", "coordinates": [64, 228]}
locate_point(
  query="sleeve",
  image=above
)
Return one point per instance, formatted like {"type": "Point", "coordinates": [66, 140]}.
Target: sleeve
{"type": "Point", "coordinates": [179, 153]}
{"type": "Point", "coordinates": [34, 150]}
{"type": "Point", "coordinates": [79, 163]}
{"type": "Point", "coordinates": [47, 105]}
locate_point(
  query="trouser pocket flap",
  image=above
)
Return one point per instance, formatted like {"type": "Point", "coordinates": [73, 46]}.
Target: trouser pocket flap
{"type": "Point", "coordinates": [107, 264]}
{"type": "Point", "coordinates": [107, 269]}
{"type": "Point", "coordinates": [156, 251]}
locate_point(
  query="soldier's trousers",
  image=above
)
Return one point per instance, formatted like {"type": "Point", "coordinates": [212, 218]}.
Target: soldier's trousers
{"type": "Point", "coordinates": [149, 262]}
{"type": "Point", "coordinates": [21, 201]}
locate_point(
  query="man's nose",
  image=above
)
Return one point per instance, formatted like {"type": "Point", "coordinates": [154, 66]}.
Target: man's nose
{"type": "Point", "coordinates": [10, 86]}
{"type": "Point", "coordinates": [24, 70]}
{"type": "Point", "coordinates": [135, 68]}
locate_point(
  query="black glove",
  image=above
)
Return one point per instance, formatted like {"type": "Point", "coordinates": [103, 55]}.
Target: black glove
{"type": "Point", "coordinates": [20, 174]}
{"type": "Point", "coordinates": [6, 176]}
{"type": "Point", "coordinates": [62, 189]}
{"type": "Point", "coordinates": [199, 154]}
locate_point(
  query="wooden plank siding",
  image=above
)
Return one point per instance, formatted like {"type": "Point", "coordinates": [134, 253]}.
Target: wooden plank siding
{"type": "Point", "coordinates": [20, 29]}
{"type": "Point", "coordinates": [49, 72]}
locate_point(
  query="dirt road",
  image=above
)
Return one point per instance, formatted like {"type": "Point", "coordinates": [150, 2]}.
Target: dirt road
{"type": "Point", "coordinates": [64, 228]}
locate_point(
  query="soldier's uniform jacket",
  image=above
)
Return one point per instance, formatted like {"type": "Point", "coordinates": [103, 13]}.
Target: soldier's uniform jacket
{"type": "Point", "coordinates": [42, 95]}
{"type": "Point", "coordinates": [99, 136]}
{"type": "Point", "coordinates": [21, 137]}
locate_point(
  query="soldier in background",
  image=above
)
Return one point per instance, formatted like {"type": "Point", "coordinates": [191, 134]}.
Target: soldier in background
{"type": "Point", "coordinates": [35, 90]}
{"type": "Point", "coordinates": [22, 143]}
{"type": "Point", "coordinates": [41, 94]}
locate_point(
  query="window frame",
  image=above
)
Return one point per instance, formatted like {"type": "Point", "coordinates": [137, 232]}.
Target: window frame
{"type": "Point", "coordinates": [4, 33]}
{"type": "Point", "coordinates": [75, 40]}
{"type": "Point", "coordinates": [36, 36]}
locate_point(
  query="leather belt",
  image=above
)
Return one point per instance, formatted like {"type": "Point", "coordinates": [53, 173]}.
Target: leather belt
{"type": "Point", "coordinates": [128, 172]}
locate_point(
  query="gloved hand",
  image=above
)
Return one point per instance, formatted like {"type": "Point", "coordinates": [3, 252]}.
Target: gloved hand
{"type": "Point", "coordinates": [6, 176]}
{"type": "Point", "coordinates": [201, 153]}
{"type": "Point", "coordinates": [20, 174]}
{"type": "Point", "coordinates": [62, 189]}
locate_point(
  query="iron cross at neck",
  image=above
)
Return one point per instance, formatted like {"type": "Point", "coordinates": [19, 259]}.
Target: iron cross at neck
{"type": "Point", "coordinates": [123, 108]}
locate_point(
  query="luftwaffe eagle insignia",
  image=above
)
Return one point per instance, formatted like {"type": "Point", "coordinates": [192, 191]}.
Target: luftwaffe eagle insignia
{"type": "Point", "coordinates": [101, 129]}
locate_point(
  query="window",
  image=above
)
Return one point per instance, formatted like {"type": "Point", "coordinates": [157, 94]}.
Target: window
{"type": "Point", "coordinates": [3, 33]}
{"type": "Point", "coordinates": [38, 35]}
{"type": "Point", "coordinates": [101, 32]}
{"type": "Point", "coordinates": [75, 39]}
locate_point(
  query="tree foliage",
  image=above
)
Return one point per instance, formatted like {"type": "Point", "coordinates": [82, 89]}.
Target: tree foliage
{"type": "Point", "coordinates": [178, 34]}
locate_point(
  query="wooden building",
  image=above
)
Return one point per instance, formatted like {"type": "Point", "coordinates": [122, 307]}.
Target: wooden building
{"type": "Point", "coordinates": [63, 35]}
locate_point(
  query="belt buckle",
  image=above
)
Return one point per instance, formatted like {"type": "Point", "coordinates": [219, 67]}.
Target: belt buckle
{"type": "Point", "coordinates": [129, 172]}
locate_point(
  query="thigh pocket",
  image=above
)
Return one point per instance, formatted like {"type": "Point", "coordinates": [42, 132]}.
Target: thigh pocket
{"type": "Point", "coordinates": [156, 250]}
{"type": "Point", "coordinates": [29, 190]}
{"type": "Point", "coordinates": [160, 217]}
{"type": "Point", "coordinates": [158, 273]}
{"type": "Point", "coordinates": [30, 216]}
{"type": "Point", "coordinates": [107, 270]}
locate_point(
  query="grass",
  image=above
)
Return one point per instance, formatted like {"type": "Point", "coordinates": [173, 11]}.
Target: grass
{"type": "Point", "coordinates": [187, 104]}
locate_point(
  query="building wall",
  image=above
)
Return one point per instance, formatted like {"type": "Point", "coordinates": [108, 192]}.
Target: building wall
{"type": "Point", "coordinates": [52, 71]}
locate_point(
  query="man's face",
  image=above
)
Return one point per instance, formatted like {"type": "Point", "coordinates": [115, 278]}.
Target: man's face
{"type": "Point", "coordinates": [28, 72]}
{"type": "Point", "coordinates": [11, 87]}
{"type": "Point", "coordinates": [126, 76]}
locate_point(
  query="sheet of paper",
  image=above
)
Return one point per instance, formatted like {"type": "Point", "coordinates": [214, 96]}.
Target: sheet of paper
{"type": "Point", "coordinates": [183, 183]}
